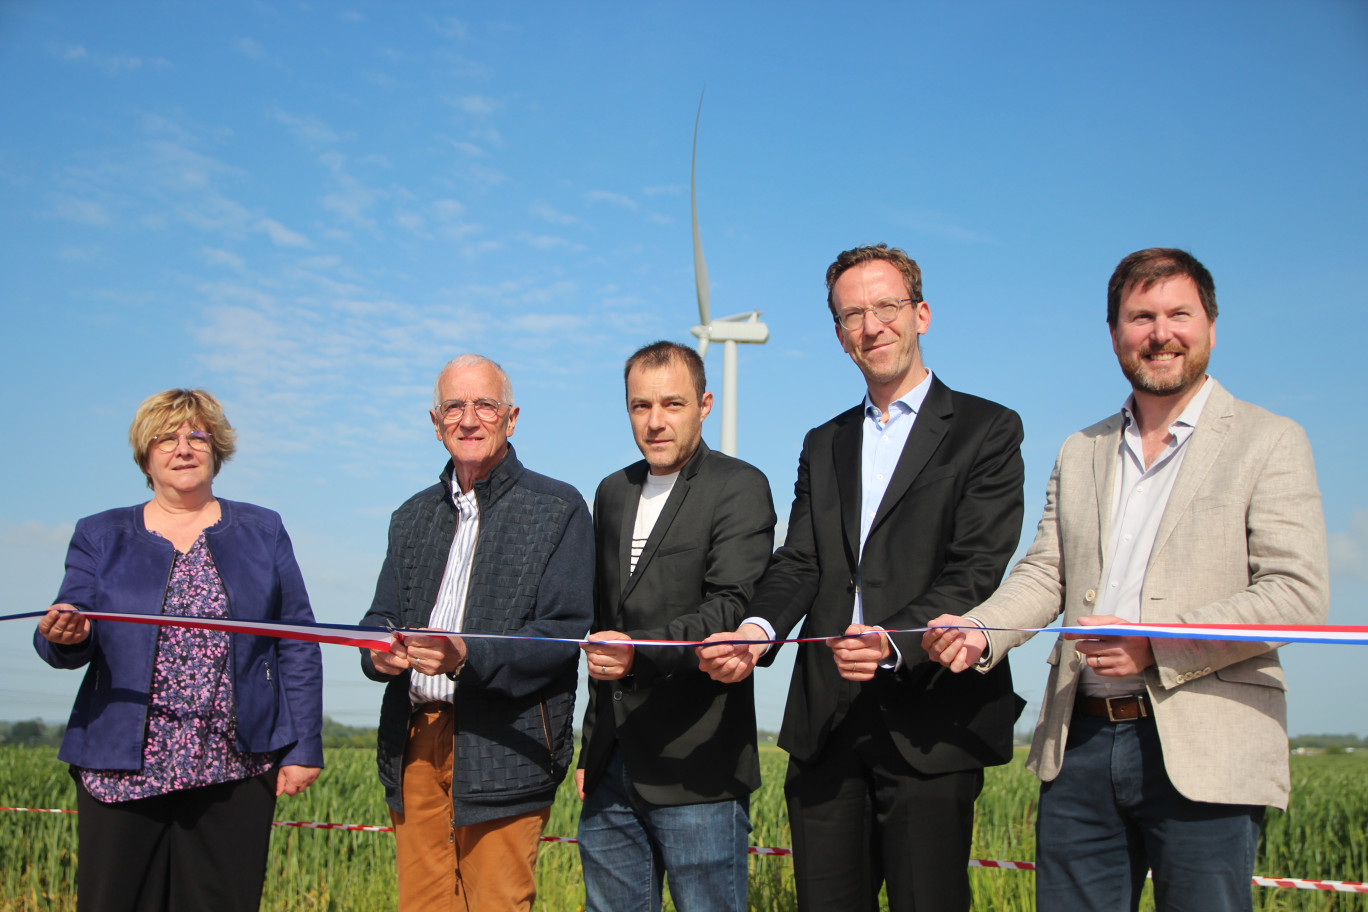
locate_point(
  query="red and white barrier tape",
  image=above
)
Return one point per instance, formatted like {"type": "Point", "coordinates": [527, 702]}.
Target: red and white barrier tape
{"type": "Point", "coordinates": [1295, 883]}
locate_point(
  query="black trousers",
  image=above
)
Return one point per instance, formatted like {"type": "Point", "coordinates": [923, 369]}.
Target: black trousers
{"type": "Point", "coordinates": [862, 817]}
{"type": "Point", "coordinates": [196, 849]}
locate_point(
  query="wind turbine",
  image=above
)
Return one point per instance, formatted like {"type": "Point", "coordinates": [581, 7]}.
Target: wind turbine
{"type": "Point", "coordinates": [742, 327]}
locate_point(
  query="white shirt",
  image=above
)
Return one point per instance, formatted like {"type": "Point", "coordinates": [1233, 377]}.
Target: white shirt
{"type": "Point", "coordinates": [654, 493]}
{"type": "Point", "coordinates": [1139, 497]}
{"type": "Point", "coordinates": [449, 612]}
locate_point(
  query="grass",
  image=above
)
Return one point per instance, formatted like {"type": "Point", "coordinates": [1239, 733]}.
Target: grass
{"type": "Point", "coordinates": [1322, 835]}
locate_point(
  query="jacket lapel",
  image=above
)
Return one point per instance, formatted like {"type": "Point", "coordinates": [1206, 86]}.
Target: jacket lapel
{"type": "Point", "coordinates": [662, 523]}
{"type": "Point", "coordinates": [1203, 447]}
{"type": "Point", "coordinates": [928, 431]}
{"type": "Point", "coordinates": [1106, 447]}
{"type": "Point", "coordinates": [627, 511]}
{"type": "Point", "coordinates": [845, 457]}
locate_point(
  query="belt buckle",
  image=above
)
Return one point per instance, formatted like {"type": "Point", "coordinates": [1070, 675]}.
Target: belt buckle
{"type": "Point", "coordinates": [1139, 709]}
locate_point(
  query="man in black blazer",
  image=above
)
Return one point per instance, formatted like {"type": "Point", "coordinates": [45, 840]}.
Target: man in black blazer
{"type": "Point", "coordinates": [668, 759]}
{"type": "Point", "coordinates": [908, 503]}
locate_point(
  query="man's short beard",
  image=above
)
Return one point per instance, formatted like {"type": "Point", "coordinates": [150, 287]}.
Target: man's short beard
{"type": "Point", "coordinates": [1193, 372]}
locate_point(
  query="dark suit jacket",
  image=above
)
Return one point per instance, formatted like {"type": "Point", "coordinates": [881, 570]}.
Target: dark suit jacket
{"type": "Point", "coordinates": [684, 738]}
{"type": "Point", "coordinates": [945, 530]}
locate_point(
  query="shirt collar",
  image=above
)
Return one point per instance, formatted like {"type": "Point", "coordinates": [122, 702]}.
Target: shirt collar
{"type": "Point", "coordinates": [1189, 417]}
{"type": "Point", "coordinates": [909, 402]}
{"type": "Point", "coordinates": [465, 504]}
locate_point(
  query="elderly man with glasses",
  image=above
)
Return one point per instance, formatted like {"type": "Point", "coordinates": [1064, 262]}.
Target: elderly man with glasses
{"type": "Point", "coordinates": [475, 734]}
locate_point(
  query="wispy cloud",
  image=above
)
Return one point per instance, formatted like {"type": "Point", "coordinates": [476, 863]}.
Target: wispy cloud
{"type": "Point", "coordinates": [413, 221]}
{"type": "Point", "coordinates": [309, 130]}
{"type": "Point", "coordinates": [451, 27]}
{"type": "Point", "coordinates": [544, 211]}
{"type": "Point", "coordinates": [216, 257]}
{"type": "Point", "coordinates": [79, 254]}
{"type": "Point", "coordinates": [383, 80]}
{"type": "Point", "coordinates": [351, 199]}
{"type": "Point", "coordinates": [82, 211]}
{"type": "Point", "coordinates": [282, 236]}
{"type": "Point", "coordinates": [1349, 548]}
{"type": "Point", "coordinates": [937, 224]}
{"type": "Point", "coordinates": [466, 148]}
{"type": "Point", "coordinates": [249, 48]}
{"type": "Point", "coordinates": [297, 343]}
{"type": "Point", "coordinates": [447, 209]}
{"type": "Point", "coordinates": [488, 135]}
{"type": "Point", "coordinates": [550, 242]}
{"type": "Point", "coordinates": [480, 248]}
{"type": "Point", "coordinates": [113, 64]}
{"type": "Point", "coordinates": [607, 196]}
{"type": "Point", "coordinates": [475, 105]}
{"type": "Point", "coordinates": [35, 535]}
{"type": "Point", "coordinates": [485, 177]}
{"type": "Point", "coordinates": [443, 216]}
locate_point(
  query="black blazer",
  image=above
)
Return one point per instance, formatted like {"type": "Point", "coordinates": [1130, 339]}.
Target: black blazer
{"type": "Point", "coordinates": [945, 530]}
{"type": "Point", "coordinates": [684, 738]}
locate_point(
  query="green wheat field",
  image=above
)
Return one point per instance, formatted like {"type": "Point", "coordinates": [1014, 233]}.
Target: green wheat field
{"type": "Point", "coordinates": [1321, 836]}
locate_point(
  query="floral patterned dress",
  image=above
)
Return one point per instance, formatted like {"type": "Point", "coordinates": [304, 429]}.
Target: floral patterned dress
{"type": "Point", "coordinates": [191, 730]}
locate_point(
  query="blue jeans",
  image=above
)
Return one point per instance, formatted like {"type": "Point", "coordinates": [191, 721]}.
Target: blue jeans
{"type": "Point", "coordinates": [1112, 814]}
{"type": "Point", "coordinates": [627, 846]}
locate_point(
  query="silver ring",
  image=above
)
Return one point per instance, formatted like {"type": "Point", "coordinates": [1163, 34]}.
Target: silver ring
{"type": "Point", "coordinates": [603, 669]}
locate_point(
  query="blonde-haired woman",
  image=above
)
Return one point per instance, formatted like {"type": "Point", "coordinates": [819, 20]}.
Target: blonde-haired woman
{"type": "Point", "coordinates": [181, 740]}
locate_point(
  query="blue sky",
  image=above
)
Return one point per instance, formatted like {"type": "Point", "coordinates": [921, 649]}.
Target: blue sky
{"type": "Point", "coordinates": [309, 207]}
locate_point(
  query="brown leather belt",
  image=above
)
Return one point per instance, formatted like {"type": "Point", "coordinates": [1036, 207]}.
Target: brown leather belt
{"type": "Point", "coordinates": [1116, 709]}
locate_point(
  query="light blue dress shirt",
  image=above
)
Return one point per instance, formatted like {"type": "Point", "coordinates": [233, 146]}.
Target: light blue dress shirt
{"type": "Point", "coordinates": [883, 439]}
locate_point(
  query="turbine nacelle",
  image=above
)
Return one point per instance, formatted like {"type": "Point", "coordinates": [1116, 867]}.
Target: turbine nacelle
{"type": "Point", "coordinates": [743, 327]}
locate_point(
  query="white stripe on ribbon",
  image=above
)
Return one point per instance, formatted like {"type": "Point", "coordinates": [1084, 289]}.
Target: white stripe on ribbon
{"type": "Point", "coordinates": [380, 638]}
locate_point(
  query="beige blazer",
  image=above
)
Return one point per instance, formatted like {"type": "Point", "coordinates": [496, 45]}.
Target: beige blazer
{"type": "Point", "coordinates": [1241, 541]}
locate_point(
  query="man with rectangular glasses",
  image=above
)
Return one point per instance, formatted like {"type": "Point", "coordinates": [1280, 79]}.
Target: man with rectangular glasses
{"type": "Point", "coordinates": [905, 505]}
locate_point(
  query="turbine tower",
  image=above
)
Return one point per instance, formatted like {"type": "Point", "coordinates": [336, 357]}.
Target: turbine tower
{"type": "Point", "coordinates": [742, 327]}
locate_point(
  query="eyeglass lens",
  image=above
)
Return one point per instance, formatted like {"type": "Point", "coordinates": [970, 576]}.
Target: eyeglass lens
{"type": "Point", "coordinates": [485, 409]}
{"type": "Point", "coordinates": [167, 443]}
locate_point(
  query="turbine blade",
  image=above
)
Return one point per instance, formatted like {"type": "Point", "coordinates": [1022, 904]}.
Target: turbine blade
{"type": "Point", "coordinates": [700, 266]}
{"type": "Point", "coordinates": [703, 346]}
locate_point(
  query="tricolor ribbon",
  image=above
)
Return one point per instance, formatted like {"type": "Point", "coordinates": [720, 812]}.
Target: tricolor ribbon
{"type": "Point", "coordinates": [370, 637]}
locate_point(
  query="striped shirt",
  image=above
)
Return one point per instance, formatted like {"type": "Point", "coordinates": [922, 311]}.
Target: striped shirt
{"type": "Point", "coordinates": [449, 612]}
{"type": "Point", "coordinates": [654, 493]}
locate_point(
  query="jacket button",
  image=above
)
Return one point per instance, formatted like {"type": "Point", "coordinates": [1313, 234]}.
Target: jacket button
{"type": "Point", "coordinates": [617, 695]}
{"type": "Point", "coordinates": [1090, 596]}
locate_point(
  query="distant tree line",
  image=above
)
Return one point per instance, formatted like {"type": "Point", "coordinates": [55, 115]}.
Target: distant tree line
{"type": "Point", "coordinates": [37, 733]}
{"type": "Point", "coordinates": [31, 733]}
{"type": "Point", "coordinates": [1329, 742]}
